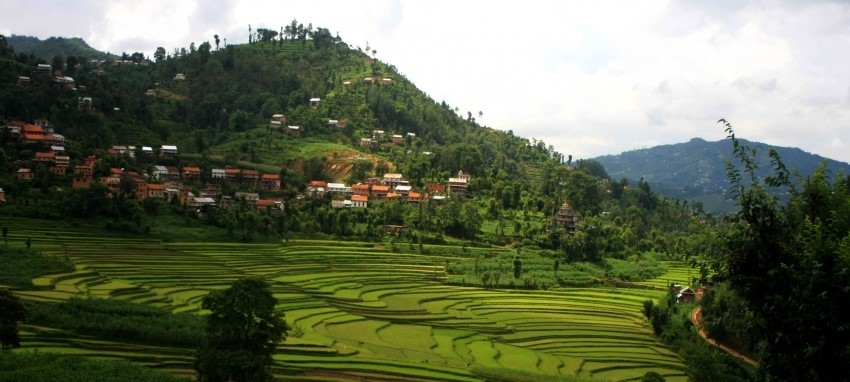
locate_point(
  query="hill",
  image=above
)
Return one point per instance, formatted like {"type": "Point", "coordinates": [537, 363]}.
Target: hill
{"type": "Point", "coordinates": [695, 170]}
{"type": "Point", "coordinates": [56, 46]}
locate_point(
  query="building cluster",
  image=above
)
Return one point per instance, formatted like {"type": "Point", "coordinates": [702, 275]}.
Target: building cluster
{"type": "Point", "coordinates": [392, 186]}
{"type": "Point", "coordinates": [379, 136]}
{"type": "Point", "coordinates": [161, 181]}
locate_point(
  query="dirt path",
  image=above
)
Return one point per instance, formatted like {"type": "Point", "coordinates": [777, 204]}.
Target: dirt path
{"type": "Point", "coordinates": [696, 318]}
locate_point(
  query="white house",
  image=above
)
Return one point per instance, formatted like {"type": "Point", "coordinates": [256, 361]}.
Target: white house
{"type": "Point", "coordinates": [168, 150]}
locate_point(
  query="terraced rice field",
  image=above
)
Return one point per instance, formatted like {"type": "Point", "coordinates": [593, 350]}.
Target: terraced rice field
{"type": "Point", "coordinates": [677, 273]}
{"type": "Point", "coordinates": [362, 312]}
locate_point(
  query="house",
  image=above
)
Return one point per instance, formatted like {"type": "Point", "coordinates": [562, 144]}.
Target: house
{"type": "Point", "coordinates": [2, 196]}
{"type": "Point", "coordinates": [25, 174]}
{"type": "Point", "coordinates": [59, 170]}
{"type": "Point", "coordinates": [366, 142]}
{"type": "Point", "coordinates": [333, 123]}
{"type": "Point", "coordinates": [338, 188]}
{"type": "Point", "coordinates": [84, 103]}
{"type": "Point", "coordinates": [435, 187]}
{"type": "Point", "coordinates": [342, 123]}
{"type": "Point", "coordinates": [250, 177]}
{"type": "Point", "coordinates": [159, 172]}
{"type": "Point", "coordinates": [317, 184]}
{"type": "Point", "coordinates": [314, 102]}
{"type": "Point", "coordinates": [61, 160]}
{"type": "Point", "coordinates": [394, 179]}
{"type": "Point", "coordinates": [414, 197]}
{"type": "Point", "coordinates": [686, 295]}
{"type": "Point", "coordinates": [179, 77]}
{"type": "Point", "coordinates": [168, 150]}
{"type": "Point", "coordinates": [232, 175]}
{"type": "Point", "coordinates": [279, 117]}
{"type": "Point", "coordinates": [397, 139]}
{"type": "Point", "coordinates": [45, 157]}
{"type": "Point", "coordinates": [147, 150]}
{"type": "Point", "coordinates": [386, 81]}
{"type": "Point", "coordinates": [402, 190]}
{"type": "Point", "coordinates": [250, 198]}
{"type": "Point", "coordinates": [267, 204]}
{"type": "Point", "coordinates": [274, 124]}
{"type": "Point", "coordinates": [270, 182]}
{"type": "Point", "coordinates": [457, 186]}
{"type": "Point", "coordinates": [412, 136]}
{"type": "Point", "coordinates": [43, 69]}
{"type": "Point", "coordinates": [361, 189]}
{"type": "Point", "coordinates": [192, 173]}
{"type": "Point", "coordinates": [201, 202]}
{"type": "Point", "coordinates": [377, 135]}
{"type": "Point", "coordinates": [339, 203]}
{"type": "Point", "coordinates": [380, 191]}
{"type": "Point", "coordinates": [218, 173]}
{"type": "Point", "coordinates": [156, 190]}
{"type": "Point", "coordinates": [150, 92]}
{"type": "Point", "coordinates": [359, 201]}
{"type": "Point", "coordinates": [567, 218]}
{"type": "Point", "coordinates": [82, 177]}
{"type": "Point", "coordinates": [464, 176]}
{"type": "Point", "coordinates": [24, 80]}
{"type": "Point", "coordinates": [293, 130]}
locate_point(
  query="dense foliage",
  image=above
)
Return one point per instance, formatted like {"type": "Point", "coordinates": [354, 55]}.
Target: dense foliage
{"type": "Point", "coordinates": [11, 312]}
{"type": "Point", "coordinates": [49, 367]}
{"type": "Point", "coordinates": [790, 263]}
{"type": "Point", "coordinates": [21, 265]}
{"type": "Point", "coordinates": [242, 332]}
{"type": "Point", "coordinates": [121, 320]}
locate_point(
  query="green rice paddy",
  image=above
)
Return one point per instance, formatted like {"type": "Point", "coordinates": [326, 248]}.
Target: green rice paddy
{"type": "Point", "coordinates": [361, 311]}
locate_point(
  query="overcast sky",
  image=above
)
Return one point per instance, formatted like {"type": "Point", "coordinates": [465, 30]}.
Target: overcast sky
{"type": "Point", "coordinates": [589, 77]}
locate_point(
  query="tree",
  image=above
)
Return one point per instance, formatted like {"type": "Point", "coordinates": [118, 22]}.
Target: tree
{"type": "Point", "coordinates": [243, 330]}
{"type": "Point", "coordinates": [786, 262]}
{"type": "Point", "coordinates": [215, 36]}
{"type": "Point", "coordinates": [11, 312]}
{"type": "Point", "coordinates": [6, 235]}
{"type": "Point", "coordinates": [517, 267]}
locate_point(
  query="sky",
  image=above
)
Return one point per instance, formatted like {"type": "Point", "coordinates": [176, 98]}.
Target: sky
{"type": "Point", "coordinates": [588, 77]}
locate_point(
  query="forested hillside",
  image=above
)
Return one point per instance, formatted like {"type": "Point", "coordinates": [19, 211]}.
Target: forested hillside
{"type": "Point", "coordinates": [695, 170]}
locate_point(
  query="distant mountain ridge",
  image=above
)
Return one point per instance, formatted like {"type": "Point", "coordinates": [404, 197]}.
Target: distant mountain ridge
{"type": "Point", "coordinates": [695, 170]}
{"type": "Point", "coordinates": [56, 46]}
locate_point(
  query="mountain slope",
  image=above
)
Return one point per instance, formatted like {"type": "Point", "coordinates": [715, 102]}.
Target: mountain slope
{"type": "Point", "coordinates": [695, 170]}
{"type": "Point", "coordinates": [56, 46]}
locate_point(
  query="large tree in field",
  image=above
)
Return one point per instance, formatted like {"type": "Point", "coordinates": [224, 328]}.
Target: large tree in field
{"type": "Point", "coordinates": [242, 332]}
{"type": "Point", "coordinates": [11, 312]}
{"type": "Point", "coordinates": [791, 264]}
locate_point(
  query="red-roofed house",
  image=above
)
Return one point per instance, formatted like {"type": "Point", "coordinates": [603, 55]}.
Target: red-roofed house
{"type": "Point", "coordinates": [270, 182]}
{"type": "Point", "coordinates": [414, 197]}
{"type": "Point", "coordinates": [361, 189]}
{"type": "Point", "coordinates": [192, 173]}
{"type": "Point", "coordinates": [250, 177]}
{"type": "Point", "coordinates": [380, 191]}
{"type": "Point", "coordinates": [45, 157]}
{"type": "Point", "coordinates": [156, 190]}
{"type": "Point", "coordinates": [232, 175]}
{"type": "Point", "coordinates": [359, 201]}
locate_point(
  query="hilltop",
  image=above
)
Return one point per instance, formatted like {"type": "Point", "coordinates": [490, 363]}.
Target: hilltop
{"type": "Point", "coordinates": [695, 170]}
{"type": "Point", "coordinates": [56, 46]}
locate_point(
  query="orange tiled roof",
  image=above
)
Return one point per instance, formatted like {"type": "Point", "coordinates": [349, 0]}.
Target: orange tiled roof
{"type": "Point", "coordinates": [359, 198]}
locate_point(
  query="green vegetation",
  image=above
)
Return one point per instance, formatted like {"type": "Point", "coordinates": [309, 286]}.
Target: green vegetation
{"type": "Point", "coordinates": [48, 367]}
{"type": "Point", "coordinates": [11, 312]}
{"type": "Point", "coordinates": [785, 262]}
{"type": "Point", "coordinates": [21, 265]}
{"type": "Point", "coordinates": [119, 320]}
{"type": "Point", "coordinates": [243, 331]}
